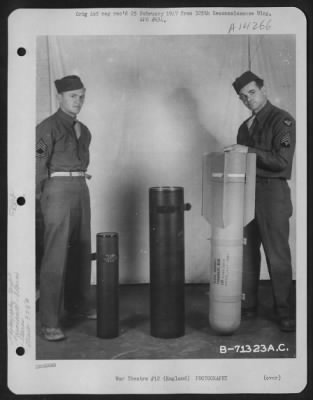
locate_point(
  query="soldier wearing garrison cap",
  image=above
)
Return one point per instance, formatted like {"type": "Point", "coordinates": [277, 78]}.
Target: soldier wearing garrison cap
{"type": "Point", "coordinates": [270, 133]}
{"type": "Point", "coordinates": [62, 158]}
{"type": "Point", "coordinates": [70, 82]}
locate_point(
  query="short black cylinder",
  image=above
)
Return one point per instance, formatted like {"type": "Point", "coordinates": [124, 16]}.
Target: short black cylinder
{"type": "Point", "coordinates": [167, 261]}
{"type": "Point", "coordinates": [107, 285]}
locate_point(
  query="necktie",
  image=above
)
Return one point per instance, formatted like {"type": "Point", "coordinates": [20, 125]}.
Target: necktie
{"type": "Point", "coordinates": [251, 124]}
{"type": "Point", "coordinates": [77, 129]}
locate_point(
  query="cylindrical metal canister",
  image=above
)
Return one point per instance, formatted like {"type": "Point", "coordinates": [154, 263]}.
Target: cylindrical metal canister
{"type": "Point", "coordinates": [107, 285]}
{"type": "Point", "coordinates": [228, 187]}
{"type": "Point", "coordinates": [167, 261]}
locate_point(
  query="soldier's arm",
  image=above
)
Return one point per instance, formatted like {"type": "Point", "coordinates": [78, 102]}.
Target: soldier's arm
{"type": "Point", "coordinates": [44, 145]}
{"type": "Point", "coordinates": [282, 151]}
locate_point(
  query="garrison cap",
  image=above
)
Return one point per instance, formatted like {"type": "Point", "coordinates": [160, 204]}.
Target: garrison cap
{"type": "Point", "coordinates": [70, 82]}
{"type": "Point", "coordinates": [246, 78]}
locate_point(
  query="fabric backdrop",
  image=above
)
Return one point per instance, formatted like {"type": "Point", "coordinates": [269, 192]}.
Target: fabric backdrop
{"type": "Point", "coordinates": [154, 106]}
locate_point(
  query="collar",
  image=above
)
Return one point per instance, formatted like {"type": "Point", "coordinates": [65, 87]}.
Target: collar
{"type": "Point", "coordinates": [263, 113]}
{"type": "Point", "coordinates": [65, 117]}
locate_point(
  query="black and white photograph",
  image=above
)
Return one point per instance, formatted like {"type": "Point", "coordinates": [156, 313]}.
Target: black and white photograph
{"type": "Point", "coordinates": [157, 229]}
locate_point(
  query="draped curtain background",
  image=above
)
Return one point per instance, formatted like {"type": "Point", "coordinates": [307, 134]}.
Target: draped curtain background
{"type": "Point", "coordinates": [154, 106]}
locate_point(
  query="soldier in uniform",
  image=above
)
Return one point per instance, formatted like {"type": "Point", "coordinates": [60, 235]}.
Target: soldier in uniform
{"type": "Point", "coordinates": [62, 158]}
{"type": "Point", "coordinates": [270, 134]}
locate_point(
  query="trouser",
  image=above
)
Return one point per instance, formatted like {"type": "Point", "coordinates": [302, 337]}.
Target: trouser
{"type": "Point", "coordinates": [39, 240]}
{"type": "Point", "coordinates": [273, 208]}
{"type": "Point", "coordinates": [66, 263]}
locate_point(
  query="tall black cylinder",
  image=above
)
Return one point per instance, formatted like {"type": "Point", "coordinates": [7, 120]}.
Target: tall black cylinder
{"type": "Point", "coordinates": [107, 285]}
{"type": "Point", "coordinates": [167, 261]}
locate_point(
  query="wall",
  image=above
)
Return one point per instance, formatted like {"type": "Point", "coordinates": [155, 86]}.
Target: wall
{"type": "Point", "coordinates": [154, 105]}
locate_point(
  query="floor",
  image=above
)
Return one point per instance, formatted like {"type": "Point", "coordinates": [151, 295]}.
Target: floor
{"type": "Point", "coordinates": [257, 338]}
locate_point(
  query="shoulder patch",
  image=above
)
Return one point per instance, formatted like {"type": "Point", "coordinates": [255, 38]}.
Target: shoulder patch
{"type": "Point", "coordinates": [287, 122]}
{"type": "Point", "coordinates": [41, 149]}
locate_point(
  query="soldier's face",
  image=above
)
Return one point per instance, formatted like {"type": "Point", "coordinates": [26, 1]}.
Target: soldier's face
{"type": "Point", "coordinates": [72, 101]}
{"type": "Point", "coordinates": [253, 97]}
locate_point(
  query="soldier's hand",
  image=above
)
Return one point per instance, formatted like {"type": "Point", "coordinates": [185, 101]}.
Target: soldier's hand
{"type": "Point", "coordinates": [237, 147]}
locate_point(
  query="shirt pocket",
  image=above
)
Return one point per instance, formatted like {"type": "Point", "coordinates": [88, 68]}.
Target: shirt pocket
{"type": "Point", "coordinates": [59, 145]}
{"type": "Point", "coordinates": [66, 143]}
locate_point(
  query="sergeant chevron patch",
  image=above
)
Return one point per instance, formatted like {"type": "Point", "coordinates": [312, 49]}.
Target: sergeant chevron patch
{"type": "Point", "coordinates": [41, 149]}
{"type": "Point", "coordinates": [285, 140]}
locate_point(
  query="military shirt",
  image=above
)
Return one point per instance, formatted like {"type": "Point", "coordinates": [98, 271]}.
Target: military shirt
{"type": "Point", "coordinates": [58, 148]}
{"type": "Point", "coordinates": [272, 137]}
